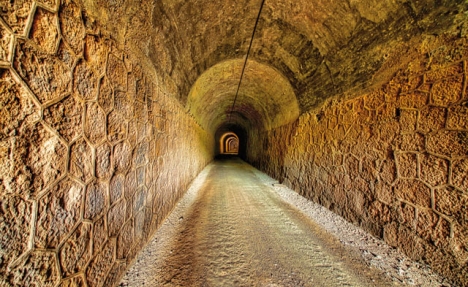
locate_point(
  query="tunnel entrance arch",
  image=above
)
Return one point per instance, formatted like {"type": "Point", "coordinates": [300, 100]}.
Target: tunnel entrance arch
{"type": "Point", "coordinates": [229, 144]}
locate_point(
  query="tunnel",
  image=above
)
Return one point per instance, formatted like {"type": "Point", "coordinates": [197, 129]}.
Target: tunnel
{"type": "Point", "coordinates": [110, 109]}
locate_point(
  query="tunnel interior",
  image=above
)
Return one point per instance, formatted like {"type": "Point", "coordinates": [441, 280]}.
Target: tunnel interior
{"type": "Point", "coordinates": [109, 109]}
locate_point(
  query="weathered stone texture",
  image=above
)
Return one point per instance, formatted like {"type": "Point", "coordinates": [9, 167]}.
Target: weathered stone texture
{"type": "Point", "coordinates": [58, 212]}
{"type": "Point", "coordinates": [15, 221]}
{"type": "Point", "coordinates": [76, 251]}
{"type": "Point", "coordinates": [403, 176]}
{"type": "Point", "coordinates": [46, 76]}
{"type": "Point", "coordinates": [37, 268]}
{"type": "Point", "coordinates": [77, 117]}
{"type": "Point", "coordinates": [65, 116]}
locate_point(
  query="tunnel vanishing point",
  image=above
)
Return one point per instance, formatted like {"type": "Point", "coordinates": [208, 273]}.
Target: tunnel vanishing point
{"type": "Point", "coordinates": [108, 110]}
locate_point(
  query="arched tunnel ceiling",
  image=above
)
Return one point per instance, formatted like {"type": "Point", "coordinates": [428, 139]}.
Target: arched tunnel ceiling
{"type": "Point", "coordinates": [266, 99]}
{"type": "Point", "coordinates": [324, 48]}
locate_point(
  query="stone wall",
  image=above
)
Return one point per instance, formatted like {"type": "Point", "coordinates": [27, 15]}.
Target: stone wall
{"type": "Point", "coordinates": [393, 161]}
{"type": "Point", "coordinates": [94, 151]}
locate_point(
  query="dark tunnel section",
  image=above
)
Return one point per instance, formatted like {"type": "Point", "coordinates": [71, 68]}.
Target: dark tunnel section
{"type": "Point", "coordinates": [239, 132]}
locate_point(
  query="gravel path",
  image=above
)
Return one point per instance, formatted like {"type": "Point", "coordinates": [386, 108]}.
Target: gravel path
{"type": "Point", "coordinates": [238, 227]}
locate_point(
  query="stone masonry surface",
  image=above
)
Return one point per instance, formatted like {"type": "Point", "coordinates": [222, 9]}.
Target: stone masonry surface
{"type": "Point", "coordinates": [394, 161]}
{"type": "Point", "coordinates": [90, 146]}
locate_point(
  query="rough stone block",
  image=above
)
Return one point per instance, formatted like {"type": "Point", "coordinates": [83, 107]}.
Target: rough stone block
{"type": "Point", "coordinates": [414, 192]}
{"type": "Point", "coordinates": [407, 165]}
{"type": "Point", "coordinates": [99, 234]}
{"type": "Point", "coordinates": [76, 251]}
{"type": "Point", "coordinates": [58, 212]}
{"type": "Point", "coordinates": [140, 154]}
{"type": "Point", "coordinates": [125, 240]}
{"type": "Point", "coordinates": [37, 269]}
{"type": "Point", "coordinates": [95, 123]}
{"type": "Point", "coordinates": [139, 199]}
{"type": "Point", "coordinates": [106, 95]}
{"type": "Point", "coordinates": [17, 110]}
{"type": "Point", "coordinates": [448, 143]}
{"type": "Point", "coordinates": [85, 82]}
{"type": "Point", "coordinates": [5, 43]}
{"type": "Point", "coordinates": [130, 184]}
{"type": "Point", "coordinates": [426, 222]}
{"type": "Point", "coordinates": [95, 53]}
{"type": "Point", "coordinates": [81, 160]}
{"type": "Point", "coordinates": [434, 170]}
{"type": "Point", "coordinates": [104, 168]}
{"type": "Point", "coordinates": [459, 174]}
{"type": "Point", "coordinates": [123, 104]}
{"type": "Point", "coordinates": [116, 217]}
{"type": "Point", "coordinates": [96, 193]}
{"type": "Point", "coordinates": [116, 188]}
{"type": "Point", "coordinates": [447, 92]}
{"type": "Point", "coordinates": [457, 117]}
{"type": "Point", "coordinates": [15, 14]}
{"type": "Point", "coordinates": [406, 214]}
{"type": "Point", "coordinates": [413, 100]}
{"type": "Point", "coordinates": [66, 55]}
{"type": "Point", "coordinates": [140, 111]}
{"type": "Point", "coordinates": [452, 202]}
{"type": "Point", "coordinates": [44, 31]}
{"type": "Point", "coordinates": [384, 192]}
{"type": "Point", "coordinates": [117, 73]}
{"type": "Point", "coordinates": [412, 142]}
{"type": "Point", "coordinates": [432, 119]}
{"type": "Point", "coordinates": [122, 156]}
{"type": "Point", "coordinates": [139, 226]}
{"type": "Point", "coordinates": [98, 268]}
{"type": "Point", "coordinates": [15, 218]}
{"type": "Point", "coordinates": [65, 116]}
{"type": "Point", "coordinates": [72, 26]}
{"type": "Point", "coordinates": [116, 127]}
{"type": "Point", "coordinates": [47, 77]}
{"type": "Point", "coordinates": [408, 120]}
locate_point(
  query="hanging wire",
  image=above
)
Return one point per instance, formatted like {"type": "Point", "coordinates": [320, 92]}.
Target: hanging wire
{"type": "Point", "coordinates": [245, 62]}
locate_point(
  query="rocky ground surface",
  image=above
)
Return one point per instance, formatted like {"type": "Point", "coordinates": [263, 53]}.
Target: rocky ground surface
{"type": "Point", "coordinates": [238, 227]}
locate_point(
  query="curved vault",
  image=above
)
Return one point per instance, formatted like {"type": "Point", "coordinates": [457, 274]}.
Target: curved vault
{"type": "Point", "coordinates": [266, 99]}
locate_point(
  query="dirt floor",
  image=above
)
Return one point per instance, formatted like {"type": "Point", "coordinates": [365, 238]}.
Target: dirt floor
{"type": "Point", "coordinates": [238, 227]}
